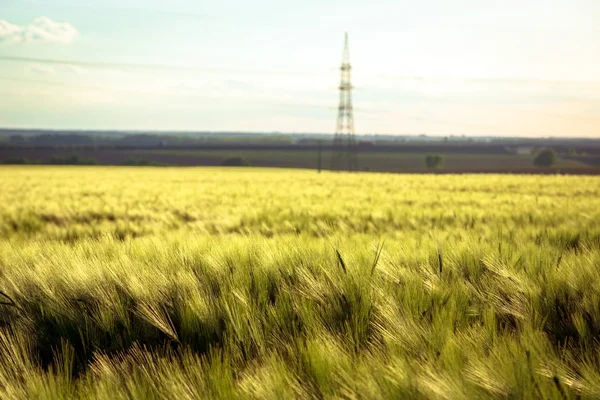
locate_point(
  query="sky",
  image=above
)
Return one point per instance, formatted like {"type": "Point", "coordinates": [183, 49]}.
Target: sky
{"type": "Point", "coordinates": [435, 67]}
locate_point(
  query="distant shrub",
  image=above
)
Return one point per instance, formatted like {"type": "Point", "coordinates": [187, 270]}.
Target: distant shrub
{"type": "Point", "coordinates": [545, 158]}
{"type": "Point", "coordinates": [17, 161]}
{"type": "Point", "coordinates": [235, 162]}
{"type": "Point", "coordinates": [72, 160]}
{"type": "Point", "coordinates": [434, 161]}
{"type": "Point", "coordinates": [16, 139]}
{"type": "Point", "coordinates": [143, 162]}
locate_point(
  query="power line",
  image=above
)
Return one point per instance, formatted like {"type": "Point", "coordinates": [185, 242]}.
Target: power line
{"type": "Point", "coordinates": [519, 81]}
{"type": "Point", "coordinates": [358, 110]}
{"type": "Point", "coordinates": [154, 92]}
{"type": "Point", "coordinates": [97, 87]}
{"type": "Point", "coordinates": [164, 67]}
{"type": "Point", "coordinates": [195, 68]}
{"type": "Point", "coordinates": [105, 65]}
{"type": "Point", "coordinates": [557, 115]}
{"type": "Point", "coordinates": [279, 103]}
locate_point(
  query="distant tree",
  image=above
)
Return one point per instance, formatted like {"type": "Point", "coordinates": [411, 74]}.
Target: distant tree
{"type": "Point", "coordinates": [72, 160]}
{"type": "Point", "coordinates": [434, 161]}
{"type": "Point", "coordinates": [545, 158]}
{"type": "Point", "coordinates": [17, 161]}
{"type": "Point", "coordinates": [143, 162]}
{"type": "Point", "coordinates": [16, 139]}
{"type": "Point", "coordinates": [235, 162]}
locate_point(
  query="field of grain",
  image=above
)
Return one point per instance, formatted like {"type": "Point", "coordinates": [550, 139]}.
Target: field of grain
{"type": "Point", "coordinates": [184, 283]}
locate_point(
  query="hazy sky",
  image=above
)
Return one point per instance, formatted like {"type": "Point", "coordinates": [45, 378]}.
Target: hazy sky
{"type": "Point", "coordinates": [440, 67]}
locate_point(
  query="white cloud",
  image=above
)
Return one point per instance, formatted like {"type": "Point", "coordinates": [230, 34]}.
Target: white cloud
{"type": "Point", "coordinates": [41, 69]}
{"type": "Point", "coordinates": [77, 69]}
{"type": "Point", "coordinates": [9, 31]}
{"type": "Point", "coordinates": [41, 30]}
{"type": "Point", "coordinates": [53, 70]}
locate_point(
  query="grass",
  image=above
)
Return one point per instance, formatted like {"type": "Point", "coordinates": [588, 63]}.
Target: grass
{"type": "Point", "coordinates": [247, 283]}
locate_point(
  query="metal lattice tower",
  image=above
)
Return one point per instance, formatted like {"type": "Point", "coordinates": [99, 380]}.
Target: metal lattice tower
{"type": "Point", "coordinates": [344, 155]}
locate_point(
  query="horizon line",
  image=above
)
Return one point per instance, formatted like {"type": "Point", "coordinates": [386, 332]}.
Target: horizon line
{"type": "Point", "coordinates": [267, 133]}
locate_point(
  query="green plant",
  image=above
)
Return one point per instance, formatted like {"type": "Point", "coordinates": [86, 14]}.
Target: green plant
{"type": "Point", "coordinates": [17, 161]}
{"type": "Point", "coordinates": [140, 162]}
{"type": "Point", "coordinates": [545, 158]}
{"type": "Point", "coordinates": [434, 161]}
{"type": "Point", "coordinates": [72, 160]}
{"type": "Point", "coordinates": [235, 162]}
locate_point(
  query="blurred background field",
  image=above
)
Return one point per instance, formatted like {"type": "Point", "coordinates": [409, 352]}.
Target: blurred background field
{"type": "Point", "coordinates": [68, 203]}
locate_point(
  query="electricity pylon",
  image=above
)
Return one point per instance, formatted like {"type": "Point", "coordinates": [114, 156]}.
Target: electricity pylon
{"type": "Point", "coordinates": [344, 154]}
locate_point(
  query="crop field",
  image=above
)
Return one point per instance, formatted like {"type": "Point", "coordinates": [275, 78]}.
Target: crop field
{"type": "Point", "coordinates": [195, 283]}
{"type": "Point", "coordinates": [379, 161]}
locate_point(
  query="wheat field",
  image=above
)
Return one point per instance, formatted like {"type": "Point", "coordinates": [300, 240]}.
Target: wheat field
{"type": "Point", "coordinates": [195, 283]}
